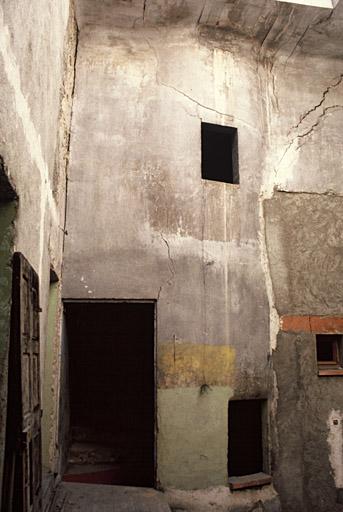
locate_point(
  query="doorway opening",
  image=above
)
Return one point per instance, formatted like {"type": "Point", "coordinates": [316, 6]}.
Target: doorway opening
{"type": "Point", "coordinates": [111, 362]}
{"type": "Point", "coordinates": [8, 210]}
{"type": "Point", "coordinates": [247, 437]}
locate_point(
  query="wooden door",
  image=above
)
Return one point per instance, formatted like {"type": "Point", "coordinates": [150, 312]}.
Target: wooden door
{"type": "Point", "coordinates": [22, 482]}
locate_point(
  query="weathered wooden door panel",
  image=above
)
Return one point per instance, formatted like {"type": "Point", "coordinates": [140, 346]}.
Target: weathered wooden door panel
{"type": "Point", "coordinates": [22, 483]}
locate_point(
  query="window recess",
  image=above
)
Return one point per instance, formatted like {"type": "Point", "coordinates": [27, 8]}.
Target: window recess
{"type": "Point", "coordinates": [248, 447]}
{"type": "Point", "coordinates": [329, 354]}
{"type": "Point", "coordinates": [219, 153]}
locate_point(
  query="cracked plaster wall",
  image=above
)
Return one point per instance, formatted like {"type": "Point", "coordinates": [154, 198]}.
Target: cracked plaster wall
{"type": "Point", "coordinates": [302, 211]}
{"type": "Point", "coordinates": [34, 119]}
{"type": "Point", "coordinates": [142, 223]}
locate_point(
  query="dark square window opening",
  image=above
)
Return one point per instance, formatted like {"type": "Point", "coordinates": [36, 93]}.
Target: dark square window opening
{"type": "Point", "coordinates": [329, 350]}
{"type": "Point", "coordinates": [247, 448]}
{"type": "Point", "coordinates": [219, 153]}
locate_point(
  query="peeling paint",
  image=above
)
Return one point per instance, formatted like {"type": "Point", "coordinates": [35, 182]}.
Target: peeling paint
{"type": "Point", "coordinates": [183, 364]}
{"type": "Point", "coordinates": [274, 320]}
{"type": "Point", "coordinates": [335, 442]}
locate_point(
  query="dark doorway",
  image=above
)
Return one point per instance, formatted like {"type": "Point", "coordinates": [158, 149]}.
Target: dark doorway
{"type": "Point", "coordinates": [245, 454]}
{"type": "Point", "coordinates": [22, 489]}
{"type": "Point", "coordinates": [112, 392]}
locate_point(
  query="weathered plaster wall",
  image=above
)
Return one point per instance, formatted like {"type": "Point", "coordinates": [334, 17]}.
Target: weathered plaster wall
{"type": "Point", "coordinates": [143, 224]}
{"type": "Point", "coordinates": [34, 102]}
{"type": "Point", "coordinates": [222, 261]}
{"type": "Point", "coordinates": [304, 473]}
{"type": "Point", "coordinates": [304, 238]}
{"type": "Point", "coordinates": [303, 216]}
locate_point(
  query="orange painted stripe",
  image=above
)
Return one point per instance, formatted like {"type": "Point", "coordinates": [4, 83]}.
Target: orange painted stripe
{"type": "Point", "coordinates": [309, 323]}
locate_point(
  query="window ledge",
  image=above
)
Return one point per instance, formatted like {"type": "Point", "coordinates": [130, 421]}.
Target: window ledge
{"type": "Point", "coordinates": [330, 372]}
{"type": "Point", "coordinates": [246, 481]}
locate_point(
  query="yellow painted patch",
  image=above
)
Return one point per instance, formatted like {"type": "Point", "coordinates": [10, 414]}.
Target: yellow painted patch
{"type": "Point", "coordinates": [189, 364]}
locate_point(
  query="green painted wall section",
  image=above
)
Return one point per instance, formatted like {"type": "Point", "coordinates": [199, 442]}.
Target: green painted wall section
{"type": "Point", "coordinates": [192, 437]}
{"type": "Point", "coordinates": [7, 216]}
{"type": "Point", "coordinates": [48, 418]}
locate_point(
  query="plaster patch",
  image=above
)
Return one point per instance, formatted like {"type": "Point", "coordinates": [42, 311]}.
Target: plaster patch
{"type": "Point", "coordinates": [222, 69]}
{"type": "Point", "coordinates": [215, 249]}
{"type": "Point", "coordinates": [274, 321]}
{"type": "Point", "coordinates": [32, 137]}
{"type": "Point", "coordinates": [183, 364]}
{"type": "Point", "coordinates": [285, 170]}
{"type": "Point", "coordinates": [335, 442]}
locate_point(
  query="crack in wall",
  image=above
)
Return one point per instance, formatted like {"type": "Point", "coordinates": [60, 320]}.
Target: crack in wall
{"type": "Point", "coordinates": [144, 10]}
{"type": "Point", "coordinates": [71, 54]}
{"type": "Point", "coordinates": [297, 44]}
{"type": "Point", "coordinates": [318, 105]}
{"type": "Point", "coordinates": [195, 101]}
{"type": "Point", "coordinates": [307, 29]}
{"type": "Point", "coordinates": [179, 91]}
{"type": "Point", "coordinates": [171, 266]}
{"type": "Point", "coordinates": [67, 179]}
{"type": "Point", "coordinates": [269, 102]}
{"type": "Point", "coordinates": [201, 12]}
{"type": "Point", "coordinates": [308, 131]}
{"type": "Point", "coordinates": [229, 117]}
{"type": "Point", "coordinates": [314, 126]}
{"type": "Point", "coordinates": [306, 192]}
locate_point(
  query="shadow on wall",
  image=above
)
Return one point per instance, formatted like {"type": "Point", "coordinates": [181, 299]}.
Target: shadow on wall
{"type": "Point", "coordinates": [8, 206]}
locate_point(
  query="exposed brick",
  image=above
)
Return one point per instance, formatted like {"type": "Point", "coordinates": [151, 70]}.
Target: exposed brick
{"type": "Point", "coordinates": [327, 324]}
{"type": "Point", "coordinates": [295, 323]}
{"type": "Point", "coordinates": [315, 324]}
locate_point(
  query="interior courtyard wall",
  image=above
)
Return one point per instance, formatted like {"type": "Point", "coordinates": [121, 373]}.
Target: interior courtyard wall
{"type": "Point", "coordinates": [142, 224]}
{"type": "Point", "coordinates": [216, 257]}
{"type": "Point", "coordinates": [302, 208]}
{"type": "Point", "coordinates": [35, 101]}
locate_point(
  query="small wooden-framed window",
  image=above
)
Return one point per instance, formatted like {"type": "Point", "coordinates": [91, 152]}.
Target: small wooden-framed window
{"type": "Point", "coordinates": [329, 354]}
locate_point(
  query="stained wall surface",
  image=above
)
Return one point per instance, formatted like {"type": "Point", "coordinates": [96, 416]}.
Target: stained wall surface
{"type": "Point", "coordinates": [142, 224]}
{"type": "Point", "coordinates": [34, 39]}
{"type": "Point", "coordinates": [303, 219]}
{"type": "Point", "coordinates": [222, 261]}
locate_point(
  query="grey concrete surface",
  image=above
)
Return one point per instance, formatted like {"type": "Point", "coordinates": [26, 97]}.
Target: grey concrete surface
{"type": "Point", "coordinates": [222, 261]}
{"type": "Point", "coordinates": [142, 224]}
{"type": "Point", "coordinates": [108, 498]}
{"type": "Point", "coordinates": [308, 29]}
{"type": "Point", "coordinates": [305, 246]}
{"type": "Point", "coordinates": [308, 428]}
